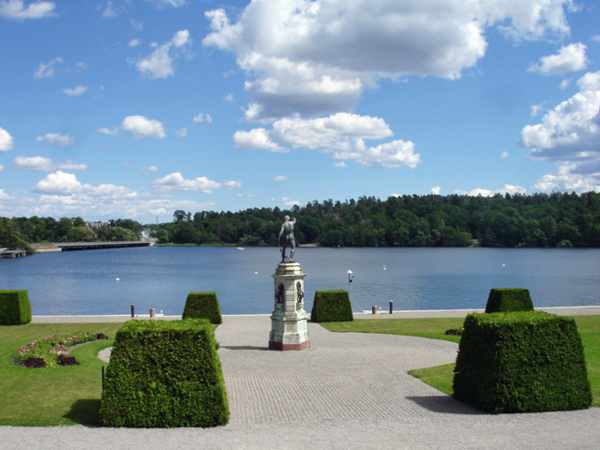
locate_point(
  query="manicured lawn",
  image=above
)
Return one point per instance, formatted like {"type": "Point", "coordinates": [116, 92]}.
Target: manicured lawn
{"type": "Point", "coordinates": [52, 396]}
{"type": "Point", "coordinates": [441, 377]}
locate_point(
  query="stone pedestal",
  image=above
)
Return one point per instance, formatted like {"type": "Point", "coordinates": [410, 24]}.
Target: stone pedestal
{"type": "Point", "coordinates": [289, 329]}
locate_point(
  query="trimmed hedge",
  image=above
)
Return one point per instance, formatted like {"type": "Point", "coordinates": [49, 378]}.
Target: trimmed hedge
{"type": "Point", "coordinates": [164, 374]}
{"type": "Point", "coordinates": [15, 308]}
{"type": "Point", "coordinates": [521, 362]}
{"type": "Point", "coordinates": [509, 299]}
{"type": "Point", "coordinates": [203, 305]}
{"type": "Point", "coordinates": [331, 306]}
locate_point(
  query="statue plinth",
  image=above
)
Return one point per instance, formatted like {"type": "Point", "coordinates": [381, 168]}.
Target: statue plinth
{"type": "Point", "coordinates": [289, 329]}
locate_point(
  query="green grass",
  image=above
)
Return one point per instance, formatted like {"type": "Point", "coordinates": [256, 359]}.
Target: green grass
{"type": "Point", "coordinates": [441, 377]}
{"type": "Point", "coordinates": [57, 395]}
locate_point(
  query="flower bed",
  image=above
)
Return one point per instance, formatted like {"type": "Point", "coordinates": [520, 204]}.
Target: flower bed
{"type": "Point", "coordinates": [52, 351]}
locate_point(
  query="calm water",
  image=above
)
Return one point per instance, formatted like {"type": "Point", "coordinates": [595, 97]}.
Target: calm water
{"type": "Point", "coordinates": [84, 282]}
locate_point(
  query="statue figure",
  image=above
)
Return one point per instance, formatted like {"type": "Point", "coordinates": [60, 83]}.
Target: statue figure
{"type": "Point", "coordinates": [286, 236]}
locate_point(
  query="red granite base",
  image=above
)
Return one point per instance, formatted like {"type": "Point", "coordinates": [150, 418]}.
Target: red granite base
{"type": "Point", "coordinates": [284, 347]}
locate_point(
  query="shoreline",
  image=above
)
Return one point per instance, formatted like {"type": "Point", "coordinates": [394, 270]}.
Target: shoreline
{"type": "Point", "coordinates": [406, 314]}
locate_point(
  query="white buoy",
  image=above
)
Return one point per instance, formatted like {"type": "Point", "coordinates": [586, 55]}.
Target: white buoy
{"type": "Point", "coordinates": [117, 279]}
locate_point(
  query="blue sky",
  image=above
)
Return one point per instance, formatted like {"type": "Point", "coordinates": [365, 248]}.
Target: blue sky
{"type": "Point", "coordinates": [136, 108]}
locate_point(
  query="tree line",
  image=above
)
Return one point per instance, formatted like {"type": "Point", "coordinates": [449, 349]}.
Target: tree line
{"type": "Point", "coordinates": [537, 220]}
{"type": "Point", "coordinates": [19, 232]}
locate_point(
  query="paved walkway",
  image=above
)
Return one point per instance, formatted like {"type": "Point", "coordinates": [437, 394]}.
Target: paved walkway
{"type": "Point", "coordinates": [349, 391]}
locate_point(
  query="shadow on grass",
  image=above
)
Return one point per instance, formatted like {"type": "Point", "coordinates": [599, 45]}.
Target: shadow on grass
{"type": "Point", "coordinates": [445, 404]}
{"type": "Point", "coordinates": [85, 412]}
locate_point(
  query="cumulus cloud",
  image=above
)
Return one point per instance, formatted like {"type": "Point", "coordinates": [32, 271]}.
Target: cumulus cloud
{"type": "Point", "coordinates": [570, 58]}
{"type": "Point", "coordinates": [340, 135]}
{"type": "Point", "coordinates": [76, 91]}
{"type": "Point", "coordinates": [201, 117]}
{"type": "Point", "coordinates": [436, 190]}
{"type": "Point", "coordinates": [570, 135]}
{"type": "Point", "coordinates": [504, 155]}
{"type": "Point", "coordinates": [41, 164]}
{"type": "Point", "coordinates": [316, 57]}
{"type": "Point", "coordinates": [1, 167]}
{"type": "Point", "coordinates": [134, 42]}
{"type": "Point", "coordinates": [176, 182]}
{"type": "Point", "coordinates": [6, 140]}
{"type": "Point", "coordinates": [64, 140]}
{"type": "Point", "coordinates": [142, 127]}
{"type": "Point", "coordinates": [281, 178]}
{"type": "Point", "coordinates": [16, 10]}
{"type": "Point", "coordinates": [571, 131]}
{"type": "Point", "coordinates": [232, 185]}
{"type": "Point", "coordinates": [159, 64]}
{"type": "Point", "coordinates": [181, 132]}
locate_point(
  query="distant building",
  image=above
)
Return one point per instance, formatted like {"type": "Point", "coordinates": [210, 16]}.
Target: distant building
{"type": "Point", "coordinates": [97, 225]}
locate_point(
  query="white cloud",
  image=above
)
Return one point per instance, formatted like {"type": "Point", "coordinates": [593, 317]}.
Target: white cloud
{"type": "Point", "coordinates": [146, 171]}
{"type": "Point", "coordinates": [504, 155]}
{"type": "Point", "coordinates": [571, 177]}
{"type": "Point", "coordinates": [176, 182]}
{"type": "Point", "coordinates": [181, 133]}
{"type": "Point", "coordinates": [571, 131]}
{"type": "Point", "coordinates": [16, 10]}
{"type": "Point", "coordinates": [436, 190]}
{"type": "Point", "coordinates": [281, 178]}
{"type": "Point", "coordinates": [134, 42]}
{"type": "Point", "coordinates": [47, 70]}
{"type": "Point", "coordinates": [108, 131]}
{"type": "Point", "coordinates": [288, 202]}
{"type": "Point", "coordinates": [508, 189]}
{"type": "Point", "coordinates": [256, 139]}
{"type": "Point", "coordinates": [228, 98]}
{"type": "Point", "coordinates": [339, 164]}
{"type": "Point", "coordinates": [35, 163]}
{"type": "Point", "coordinates": [201, 117]}
{"type": "Point", "coordinates": [570, 58]}
{"type": "Point", "coordinates": [76, 91]}
{"type": "Point", "coordinates": [232, 185]}
{"type": "Point", "coordinates": [535, 109]}
{"type": "Point", "coordinates": [340, 135]}
{"type": "Point", "coordinates": [1, 168]}
{"type": "Point", "coordinates": [159, 64]}
{"type": "Point", "coordinates": [315, 57]}
{"type": "Point", "coordinates": [160, 4]}
{"type": "Point", "coordinates": [6, 140]}
{"type": "Point", "coordinates": [60, 183]}
{"type": "Point", "coordinates": [589, 82]}
{"type": "Point", "coordinates": [142, 127]}
{"type": "Point", "coordinates": [41, 164]}
{"type": "Point", "coordinates": [64, 140]}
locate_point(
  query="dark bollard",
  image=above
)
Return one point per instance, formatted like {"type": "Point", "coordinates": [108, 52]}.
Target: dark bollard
{"type": "Point", "coordinates": [374, 309]}
{"type": "Point", "coordinates": [152, 313]}
{"type": "Point", "coordinates": [132, 310]}
{"type": "Point", "coordinates": [391, 306]}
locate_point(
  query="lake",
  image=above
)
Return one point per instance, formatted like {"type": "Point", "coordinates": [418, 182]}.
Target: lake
{"type": "Point", "coordinates": [85, 282]}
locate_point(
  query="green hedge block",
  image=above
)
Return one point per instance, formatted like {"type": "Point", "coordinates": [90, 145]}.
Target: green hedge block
{"type": "Point", "coordinates": [331, 306]}
{"type": "Point", "coordinates": [15, 308]}
{"type": "Point", "coordinates": [521, 362]}
{"type": "Point", "coordinates": [509, 299]}
{"type": "Point", "coordinates": [203, 305]}
{"type": "Point", "coordinates": [164, 374]}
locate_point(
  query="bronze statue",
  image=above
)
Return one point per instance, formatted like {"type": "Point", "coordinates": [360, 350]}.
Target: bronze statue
{"type": "Point", "coordinates": [286, 236]}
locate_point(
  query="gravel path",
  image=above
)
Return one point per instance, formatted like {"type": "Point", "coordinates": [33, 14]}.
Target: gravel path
{"type": "Point", "coordinates": [348, 391]}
